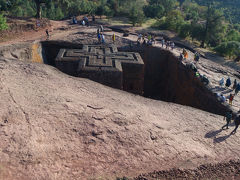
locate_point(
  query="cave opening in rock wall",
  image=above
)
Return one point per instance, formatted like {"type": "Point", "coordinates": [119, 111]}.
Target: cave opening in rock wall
{"type": "Point", "coordinates": [165, 77]}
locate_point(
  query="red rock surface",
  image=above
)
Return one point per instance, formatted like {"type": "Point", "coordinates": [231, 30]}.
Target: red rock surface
{"type": "Point", "coordinates": [54, 126]}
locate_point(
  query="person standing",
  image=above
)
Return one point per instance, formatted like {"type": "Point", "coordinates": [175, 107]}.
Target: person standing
{"type": "Point", "coordinates": [103, 38]}
{"type": "Point", "coordinates": [113, 38]}
{"type": "Point", "coordinates": [172, 45]}
{"type": "Point", "coordinates": [185, 54]}
{"type": "Point", "coordinates": [231, 99]}
{"type": "Point", "coordinates": [196, 56]}
{"type": "Point", "coordinates": [237, 122]}
{"type": "Point", "coordinates": [101, 28]}
{"type": "Point", "coordinates": [99, 36]}
{"type": "Point", "coordinates": [139, 38]}
{"type": "Point", "coordinates": [163, 42]}
{"type": "Point", "coordinates": [237, 88]}
{"type": "Point", "coordinates": [234, 84]}
{"type": "Point", "coordinates": [47, 34]}
{"type": "Point", "coordinates": [228, 82]}
{"type": "Point", "coordinates": [228, 117]}
{"type": "Point", "coordinates": [221, 82]}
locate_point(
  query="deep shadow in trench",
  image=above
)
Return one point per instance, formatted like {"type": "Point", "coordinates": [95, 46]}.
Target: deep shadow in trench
{"type": "Point", "coordinates": [165, 77]}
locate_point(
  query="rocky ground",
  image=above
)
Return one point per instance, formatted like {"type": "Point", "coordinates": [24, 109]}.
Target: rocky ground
{"type": "Point", "coordinates": [54, 126]}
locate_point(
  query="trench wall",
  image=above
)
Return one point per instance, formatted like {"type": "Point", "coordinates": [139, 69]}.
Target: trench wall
{"type": "Point", "coordinates": [30, 52]}
{"type": "Point", "coordinates": [166, 78]}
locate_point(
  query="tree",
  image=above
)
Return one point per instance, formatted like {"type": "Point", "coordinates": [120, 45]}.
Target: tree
{"type": "Point", "coordinates": [38, 7]}
{"type": "Point", "coordinates": [233, 35]}
{"type": "Point", "coordinates": [214, 24]}
{"type": "Point", "coordinates": [136, 14]}
{"type": "Point", "coordinates": [154, 11]}
{"type": "Point", "coordinates": [159, 8]}
{"type": "Point", "coordinates": [102, 8]}
{"type": "Point", "coordinates": [174, 20]}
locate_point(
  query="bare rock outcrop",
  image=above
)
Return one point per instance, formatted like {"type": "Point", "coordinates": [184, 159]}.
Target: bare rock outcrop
{"type": "Point", "coordinates": [54, 126]}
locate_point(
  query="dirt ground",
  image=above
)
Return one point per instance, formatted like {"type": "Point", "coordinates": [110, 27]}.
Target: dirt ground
{"type": "Point", "coordinates": [54, 126]}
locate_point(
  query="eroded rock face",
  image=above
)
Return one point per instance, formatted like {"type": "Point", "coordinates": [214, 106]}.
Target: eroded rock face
{"type": "Point", "coordinates": [166, 78]}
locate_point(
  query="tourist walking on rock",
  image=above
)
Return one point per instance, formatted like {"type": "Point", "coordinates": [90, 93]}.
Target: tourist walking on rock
{"type": "Point", "coordinates": [228, 82]}
{"type": "Point", "coordinates": [47, 34]}
{"type": "Point", "coordinates": [74, 20]}
{"type": "Point", "coordinates": [221, 82]}
{"type": "Point", "coordinates": [163, 42]}
{"type": "Point", "coordinates": [228, 117]}
{"type": "Point", "coordinates": [113, 38]}
{"type": "Point", "coordinates": [185, 54]}
{"type": "Point", "coordinates": [172, 45]}
{"type": "Point", "coordinates": [234, 84]}
{"type": "Point", "coordinates": [231, 99]}
{"type": "Point", "coordinates": [83, 23]}
{"type": "Point", "coordinates": [139, 38]}
{"type": "Point", "coordinates": [237, 122]}
{"type": "Point", "coordinates": [98, 36]}
{"type": "Point", "coordinates": [237, 88]}
{"type": "Point", "coordinates": [221, 97]}
{"type": "Point", "coordinates": [102, 38]}
{"type": "Point", "coordinates": [101, 28]}
{"type": "Point", "coordinates": [196, 56]}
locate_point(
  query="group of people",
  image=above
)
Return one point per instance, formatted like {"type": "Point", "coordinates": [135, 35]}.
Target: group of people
{"type": "Point", "coordinates": [167, 44]}
{"type": "Point", "coordinates": [146, 39]}
{"type": "Point", "coordinates": [83, 22]}
{"type": "Point", "coordinates": [229, 116]}
{"type": "Point", "coordinates": [100, 35]}
{"type": "Point", "coordinates": [235, 88]}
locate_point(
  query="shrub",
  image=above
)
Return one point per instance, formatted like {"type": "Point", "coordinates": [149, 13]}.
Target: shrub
{"type": "Point", "coordinates": [185, 30]}
{"type": "Point", "coordinates": [3, 23]}
{"type": "Point", "coordinates": [230, 49]}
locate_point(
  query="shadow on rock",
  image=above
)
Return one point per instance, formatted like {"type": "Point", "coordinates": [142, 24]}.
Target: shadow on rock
{"type": "Point", "coordinates": [227, 91]}
{"type": "Point", "coordinates": [212, 134]}
{"type": "Point", "coordinates": [218, 89]}
{"type": "Point", "coordinates": [221, 139]}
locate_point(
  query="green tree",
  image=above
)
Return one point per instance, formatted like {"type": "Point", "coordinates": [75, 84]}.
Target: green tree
{"type": "Point", "coordinates": [159, 8]}
{"type": "Point", "coordinates": [174, 20]}
{"type": "Point", "coordinates": [197, 31]}
{"type": "Point", "coordinates": [103, 8]}
{"type": "Point", "coordinates": [154, 11]}
{"type": "Point", "coordinates": [233, 35]}
{"type": "Point", "coordinates": [38, 7]}
{"type": "Point", "coordinates": [136, 14]}
{"type": "Point", "coordinates": [213, 26]}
